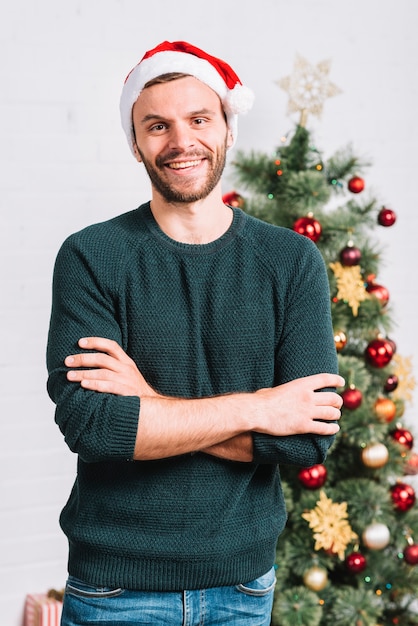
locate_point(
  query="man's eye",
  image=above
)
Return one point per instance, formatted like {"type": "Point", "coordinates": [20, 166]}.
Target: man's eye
{"type": "Point", "coordinates": [157, 127]}
{"type": "Point", "coordinates": [199, 121]}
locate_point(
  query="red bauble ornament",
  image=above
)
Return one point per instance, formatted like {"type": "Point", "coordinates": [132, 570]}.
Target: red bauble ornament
{"type": "Point", "coordinates": [232, 198]}
{"type": "Point", "coordinates": [313, 477]}
{"type": "Point", "coordinates": [355, 562]}
{"type": "Point", "coordinates": [403, 437]}
{"type": "Point", "coordinates": [309, 227]}
{"type": "Point", "coordinates": [380, 292]}
{"type": "Point", "coordinates": [352, 398]}
{"type": "Point", "coordinates": [385, 409]}
{"type": "Point", "coordinates": [411, 466]}
{"type": "Point", "coordinates": [386, 217]}
{"type": "Point", "coordinates": [356, 184]}
{"type": "Point", "coordinates": [391, 383]}
{"type": "Point", "coordinates": [403, 496]}
{"type": "Point", "coordinates": [392, 343]}
{"type": "Point", "coordinates": [379, 352]}
{"type": "Point", "coordinates": [350, 255]}
{"type": "Point", "coordinates": [410, 554]}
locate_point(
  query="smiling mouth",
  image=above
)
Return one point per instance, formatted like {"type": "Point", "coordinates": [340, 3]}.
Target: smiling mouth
{"type": "Point", "coordinates": [184, 164]}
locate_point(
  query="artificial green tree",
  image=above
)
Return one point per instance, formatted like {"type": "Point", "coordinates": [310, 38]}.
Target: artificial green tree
{"type": "Point", "coordinates": [349, 553]}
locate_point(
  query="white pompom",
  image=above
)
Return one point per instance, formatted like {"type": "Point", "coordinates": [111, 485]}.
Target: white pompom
{"type": "Point", "coordinates": [238, 100]}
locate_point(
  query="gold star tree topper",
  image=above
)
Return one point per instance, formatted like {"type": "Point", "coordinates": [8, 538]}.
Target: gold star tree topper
{"type": "Point", "coordinates": [308, 87]}
{"type": "Point", "coordinates": [332, 530]}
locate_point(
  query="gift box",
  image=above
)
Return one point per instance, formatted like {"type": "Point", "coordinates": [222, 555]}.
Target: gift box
{"type": "Point", "coordinates": [43, 609]}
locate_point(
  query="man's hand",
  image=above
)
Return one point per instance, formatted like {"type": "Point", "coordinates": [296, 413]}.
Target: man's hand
{"type": "Point", "coordinates": [296, 407]}
{"type": "Point", "coordinates": [111, 370]}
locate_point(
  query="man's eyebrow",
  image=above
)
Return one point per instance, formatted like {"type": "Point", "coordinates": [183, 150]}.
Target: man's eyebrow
{"type": "Point", "coordinates": [150, 117]}
{"type": "Point", "coordinates": [158, 118]}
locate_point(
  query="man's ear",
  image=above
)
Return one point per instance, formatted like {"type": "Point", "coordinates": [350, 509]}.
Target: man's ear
{"type": "Point", "coordinates": [136, 152]}
{"type": "Point", "coordinates": [229, 139]}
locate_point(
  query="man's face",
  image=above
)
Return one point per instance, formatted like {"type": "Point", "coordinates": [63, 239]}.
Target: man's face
{"type": "Point", "coordinates": [181, 138]}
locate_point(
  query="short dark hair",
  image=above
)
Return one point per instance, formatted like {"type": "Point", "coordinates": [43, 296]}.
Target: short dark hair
{"type": "Point", "coordinates": [165, 78]}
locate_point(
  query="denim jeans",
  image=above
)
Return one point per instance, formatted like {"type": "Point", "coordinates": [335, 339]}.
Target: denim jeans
{"type": "Point", "coordinates": [247, 604]}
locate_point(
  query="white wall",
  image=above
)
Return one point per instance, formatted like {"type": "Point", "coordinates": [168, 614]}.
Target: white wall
{"type": "Point", "coordinates": [64, 164]}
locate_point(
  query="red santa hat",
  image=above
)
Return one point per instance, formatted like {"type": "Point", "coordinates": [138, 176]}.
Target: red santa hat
{"type": "Point", "coordinates": [180, 56]}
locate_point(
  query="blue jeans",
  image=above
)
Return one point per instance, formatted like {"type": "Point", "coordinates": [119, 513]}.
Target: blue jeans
{"type": "Point", "coordinates": [247, 604]}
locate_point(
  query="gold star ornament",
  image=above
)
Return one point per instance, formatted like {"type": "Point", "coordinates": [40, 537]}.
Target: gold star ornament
{"type": "Point", "coordinates": [404, 372]}
{"type": "Point", "coordinates": [308, 87]}
{"type": "Point", "coordinates": [350, 285]}
{"type": "Point", "coordinates": [332, 530]}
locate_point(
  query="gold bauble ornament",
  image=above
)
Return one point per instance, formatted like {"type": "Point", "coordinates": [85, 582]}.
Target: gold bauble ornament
{"type": "Point", "coordinates": [340, 339]}
{"type": "Point", "coordinates": [385, 409]}
{"type": "Point", "coordinates": [375, 455]}
{"type": "Point", "coordinates": [315, 578]}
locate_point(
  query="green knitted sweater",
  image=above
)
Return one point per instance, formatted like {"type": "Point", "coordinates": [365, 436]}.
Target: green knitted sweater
{"type": "Point", "coordinates": [247, 311]}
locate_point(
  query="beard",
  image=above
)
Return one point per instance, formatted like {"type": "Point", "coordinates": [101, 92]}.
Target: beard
{"type": "Point", "coordinates": [188, 190]}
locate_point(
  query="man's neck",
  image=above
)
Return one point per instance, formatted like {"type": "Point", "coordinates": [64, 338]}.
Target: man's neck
{"type": "Point", "coordinates": [199, 222]}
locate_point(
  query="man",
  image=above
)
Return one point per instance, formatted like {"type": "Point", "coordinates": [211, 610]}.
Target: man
{"type": "Point", "coordinates": [187, 345]}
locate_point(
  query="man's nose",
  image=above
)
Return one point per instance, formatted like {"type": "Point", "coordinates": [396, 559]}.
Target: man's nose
{"type": "Point", "coordinates": [181, 137]}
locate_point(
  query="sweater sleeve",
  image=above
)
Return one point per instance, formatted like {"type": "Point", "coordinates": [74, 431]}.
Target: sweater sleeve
{"type": "Point", "coordinates": [96, 426]}
{"type": "Point", "coordinates": [306, 347]}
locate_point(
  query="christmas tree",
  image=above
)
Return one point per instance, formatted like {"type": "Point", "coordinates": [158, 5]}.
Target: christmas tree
{"type": "Point", "coordinates": [349, 553]}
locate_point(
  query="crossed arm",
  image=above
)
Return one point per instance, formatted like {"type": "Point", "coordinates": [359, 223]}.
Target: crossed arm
{"type": "Point", "coordinates": [171, 426]}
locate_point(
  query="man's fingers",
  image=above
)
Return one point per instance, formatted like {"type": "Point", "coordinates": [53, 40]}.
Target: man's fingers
{"type": "Point", "coordinates": [79, 375]}
{"type": "Point", "coordinates": [329, 398]}
{"type": "Point", "coordinates": [102, 344]}
{"type": "Point", "coordinates": [107, 354]}
{"type": "Point", "coordinates": [92, 359]}
{"type": "Point", "coordinates": [321, 381]}
{"type": "Point", "coordinates": [325, 428]}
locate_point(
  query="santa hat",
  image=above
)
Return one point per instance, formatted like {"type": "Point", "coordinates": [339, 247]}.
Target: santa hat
{"type": "Point", "coordinates": [180, 56]}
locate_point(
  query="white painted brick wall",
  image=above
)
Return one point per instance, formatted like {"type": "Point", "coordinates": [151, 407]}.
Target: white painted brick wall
{"type": "Point", "coordinates": [64, 164]}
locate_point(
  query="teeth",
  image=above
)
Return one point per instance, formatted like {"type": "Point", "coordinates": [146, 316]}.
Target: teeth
{"type": "Point", "coordinates": [183, 165]}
